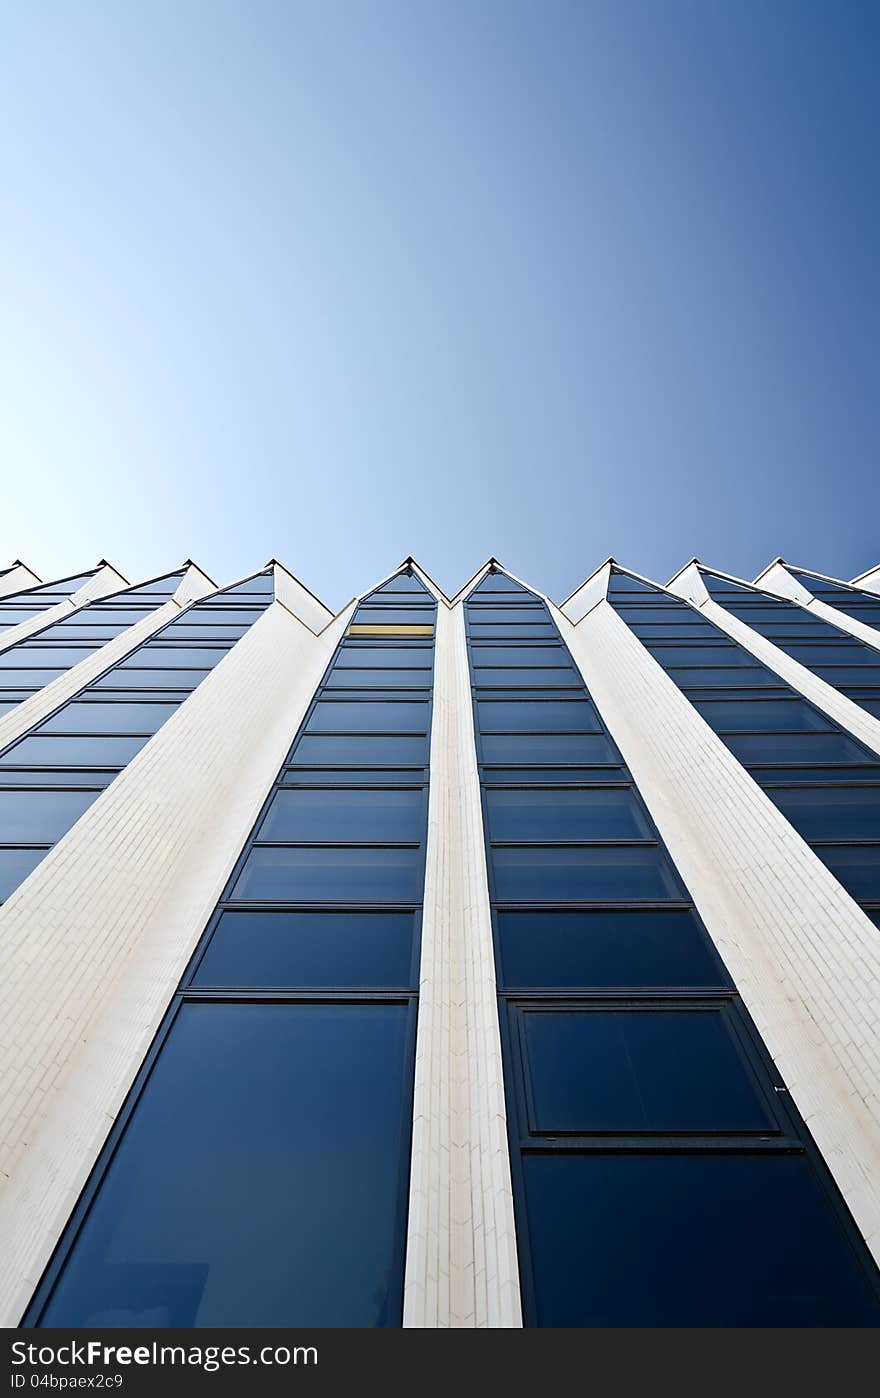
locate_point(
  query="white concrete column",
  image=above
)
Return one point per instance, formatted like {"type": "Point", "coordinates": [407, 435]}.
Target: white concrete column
{"type": "Point", "coordinates": [802, 954]}
{"type": "Point", "coordinates": [778, 580]}
{"type": "Point", "coordinates": [849, 715]}
{"type": "Point", "coordinates": [103, 927]}
{"type": "Point", "coordinates": [104, 581]}
{"type": "Point", "coordinates": [461, 1262]}
{"type": "Point", "coordinates": [17, 579]}
{"type": "Point", "coordinates": [18, 721]}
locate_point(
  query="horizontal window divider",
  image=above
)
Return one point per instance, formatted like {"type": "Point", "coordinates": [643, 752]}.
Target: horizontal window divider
{"type": "Point", "coordinates": [562, 905]}
{"type": "Point", "coordinates": [336, 844]}
{"type": "Point", "coordinates": [766, 1143]}
{"type": "Point", "coordinates": [396, 995]}
{"type": "Point", "coordinates": [575, 844]}
{"type": "Point", "coordinates": [262, 905]}
{"type": "Point", "coordinates": [624, 785]}
{"type": "Point", "coordinates": [532, 997]}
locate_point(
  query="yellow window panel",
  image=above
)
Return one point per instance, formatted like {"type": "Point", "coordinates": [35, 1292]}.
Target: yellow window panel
{"type": "Point", "coordinates": [388, 630]}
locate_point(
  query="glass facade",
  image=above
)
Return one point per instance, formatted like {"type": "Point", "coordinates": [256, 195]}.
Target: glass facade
{"type": "Point", "coordinates": [23, 606]}
{"type": "Point", "coordinates": [823, 780]}
{"type": "Point", "coordinates": [258, 1174]}
{"type": "Point", "coordinates": [835, 656]}
{"type": "Point", "coordinates": [53, 773]}
{"type": "Point", "coordinates": [661, 1173]}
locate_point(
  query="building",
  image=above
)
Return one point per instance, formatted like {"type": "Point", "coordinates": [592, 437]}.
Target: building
{"type": "Point", "coordinates": [442, 962]}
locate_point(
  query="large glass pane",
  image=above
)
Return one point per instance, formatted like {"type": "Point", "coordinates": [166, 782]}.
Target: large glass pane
{"type": "Point", "coordinates": [529, 873]}
{"type": "Point", "coordinates": [15, 865]}
{"type": "Point", "coordinates": [344, 815]}
{"type": "Point", "coordinates": [259, 1180]}
{"type": "Point", "coordinates": [534, 814]}
{"type": "Point", "coordinates": [838, 653]}
{"type": "Point", "coordinates": [853, 674]}
{"type": "Point", "coordinates": [372, 656]}
{"type": "Point", "coordinates": [857, 868]}
{"type": "Point", "coordinates": [604, 948]}
{"type": "Point", "coordinates": [157, 657]}
{"type": "Point", "coordinates": [734, 677]}
{"type": "Point", "coordinates": [24, 679]}
{"type": "Point", "coordinates": [54, 657]}
{"type": "Point", "coordinates": [72, 752]}
{"type": "Point", "coordinates": [538, 656]}
{"type": "Point", "coordinates": [41, 817]}
{"type": "Point", "coordinates": [361, 776]}
{"type": "Point", "coordinates": [490, 613]}
{"type": "Point", "coordinates": [119, 717]}
{"type": "Point", "coordinates": [774, 715]}
{"type": "Point", "coordinates": [383, 679]}
{"type": "Point", "coordinates": [316, 750]}
{"type": "Point", "coordinates": [537, 716]}
{"type": "Point", "coordinates": [679, 1240]}
{"type": "Point", "coordinates": [316, 875]}
{"type": "Point", "coordinates": [500, 677]}
{"type": "Point", "coordinates": [554, 775]}
{"type": "Point", "coordinates": [547, 748]}
{"type": "Point", "coordinates": [704, 655]}
{"type": "Point", "coordinates": [506, 631]}
{"type": "Point", "coordinates": [795, 747]}
{"type": "Point", "coordinates": [303, 949]}
{"type": "Point", "coordinates": [394, 616]}
{"type": "Point", "coordinates": [621, 1070]}
{"type": "Point", "coordinates": [124, 678]}
{"type": "Point", "coordinates": [835, 813]}
{"type": "Point", "coordinates": [366, 716]}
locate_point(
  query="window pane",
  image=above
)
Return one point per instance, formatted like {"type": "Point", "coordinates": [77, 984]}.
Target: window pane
{"type": "Point", "coordinates": [344, 815]}
{"type": "Point", "coordinates": [317, 751]}
{"type": "Point", "coordinates": [685, 630]}
{"type": "Point", "coordinates": [384, 679]}
{"type": "Point", "coordinates": [547, 748]}
{"type": "Point", "coordinates": [326, 776]}
{"type": "Point", "coordinates": [335, 716]}
{"type": "Point", "coordinates": [259, 1180]}
{"type": "Point", "coordinates": [734, 677]}
{"type": "Point", "coordinates": [345, 950]}
{"type": "Point", "coordinates": [120, 717]}
{"type": "Point", "coordinates": [15, 865]}
{"type": "Point", "coordinates": [538, 715]}
{"type": "Point", "coordinates": [55, 657]}
{"type": "Point", "coordinates": [41, 816]}
{"type": "Point", "coordinates": [25, 679]}
{"type": "Point", "coordinates": [394, 616]}
{"type": "Point", "coordinates": [817, 774]}
{"type": "Point", "coordinates": [710, 655]}
{"type": "Point", "coordinates": [331, 875]}
{"type": "Point", "coordinates": [795, 747]}
{"type": "Point", "coordinates": [544, 875]}
{"type": "Point", "coordinates": [637, 1070]}
{"type": "Point", "coordinates": [857, 869]}
{"type": "Point", "coordinates": [678, 1240]}
{"type": "Point", "coordinates": [853, 674]}
{"type": "Point", "coordinates": [538, 656]}
{"type": "Point", "coordinates": [72, 752]}
{"type": "Point", "coordinates": [163, 657]}
{"type": "Point", "coordinates": [482, 631]}
{"type": "Point", "coordinates": [835, 813]}
{"type": "Point", "coordinates": [406, 657]}
{"type": "Point", "coordinates": [841, 653]}
{"type": "Point", "coordinates": [770, 714]}
{"type": "Point", "coordinates": [526, 679]}
{"type": "Point", "coordinates": [604, 949]}
{"type": "Point", "coordinates": [566, 815]}
{"type": "Point", "coordinates": [121, 678]}
{"type": "Point", "coordinates": [526, 614]}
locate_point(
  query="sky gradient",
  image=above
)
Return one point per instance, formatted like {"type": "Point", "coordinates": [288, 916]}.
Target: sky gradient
{"type": "Point", "coordinates": [340, 282]}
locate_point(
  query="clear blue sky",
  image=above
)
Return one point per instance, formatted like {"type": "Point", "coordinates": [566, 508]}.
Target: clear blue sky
{"type": "Point", "coordinates": [339, 281]}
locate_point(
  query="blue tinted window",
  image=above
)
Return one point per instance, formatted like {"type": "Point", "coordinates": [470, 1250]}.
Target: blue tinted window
{"type": "Point", "coordinates": [344, 815]}
{"type": "Point", "coordinates": [607, 948]}
{"type": "Point", "coordinates": [853, 674]}
{"type": "Point", "coordinates": [288, 1118]}
{"type": "Point", "coordinates": [337, 716]}
{"type": "Point", "coordinates": [302, 949]}
{"type": "Point", "coordinates": [15, 865]}
{"type": "Point", "coordinates": [375, 656]}
{"type": "Point", "coordinates": [531, 656]}
{"type": "Point", "coordinates": [795, 747]}
{"type": "Point", "coordinates": [41, 817]}
{"type": "Point", "coordinates": [533, 814]}
{"type": "Point", "coordinates": [858, 868]}
{"type": "Point", "coordinates": [526, 679]}
{"type": "Point", "coordinates": [819, 774]}
{"type": "Point", "coordinates": [538, 715]}
{"type": "Point", "coordinates": [23, 679]}
{"type": "Point", "coordinates": [121, 678]}
{"type": "Point", "coordinates": [73, 752]}
{"type": "Point", "coordinates": [401, 582]}
{"type": "Point", "coordinates": [524, 873]}
{"type": "Point", "coordinates": [383, 679]}
{"type": "Point", "coordinates": [621, 583]}
{"type": "Point", "coordinates": [527, 614]}
{"type": "Point", "coordinates": [835, 813]}
{"type": "Point", "coordinates": [547, 748]}
{"type": "Point", "coordinates": [394, 616]}
{"type": "Point", "coordinates": [505, 631]}
{"type": "Point", "coordinates": [679, 1240]}
{"type": "Point", "coordinates": [316, 750]}
{"type": "Point", "coordinates": [164, 657]}
{"type": "Point", "coordinates": [769, 714]}
{"type": "Point", "coordinates": [316, 875]}
{"type": "Point", "coordinates": [733, 677]}
{"type": "Point", "coordinates": [684, 630]}
{"type": "Point", "coordinates": [120, 717]}
{"type": "Point", "coordinates": [840, 653]}
{"type": "Point", "coordinates": [323, 776]}
{"type": "Point", "coordinates": [703, 656]}
{"type": "Point", "coordinates": [55, 657]}
{"type": "Point", "coordinates": [637, 1070]}
{"type": "Point", "coordinates": [500, 582]}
